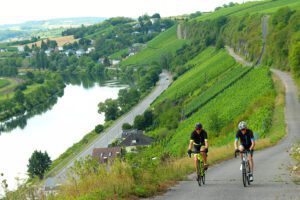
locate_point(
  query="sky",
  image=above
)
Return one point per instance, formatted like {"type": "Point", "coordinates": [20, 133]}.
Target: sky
{"type": "Point", "coordinates": [16, 11]}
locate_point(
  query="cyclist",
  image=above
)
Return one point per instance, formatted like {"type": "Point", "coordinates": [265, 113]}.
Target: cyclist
{"type": "Point", "coordinates": [199, 141]}
{"type": "Point", "coordinates": [247, 142]}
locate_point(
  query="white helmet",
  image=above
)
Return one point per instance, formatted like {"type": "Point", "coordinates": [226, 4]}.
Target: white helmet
{"type": "Point", "coordinates": [242, 125]}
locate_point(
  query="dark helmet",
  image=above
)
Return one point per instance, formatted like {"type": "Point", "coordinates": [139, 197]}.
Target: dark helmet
{"type": "Point", "coordinates": [198, 126]}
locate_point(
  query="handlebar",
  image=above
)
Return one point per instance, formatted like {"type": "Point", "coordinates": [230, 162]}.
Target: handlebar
{"type": "Point", "coordinates": [245, 151]}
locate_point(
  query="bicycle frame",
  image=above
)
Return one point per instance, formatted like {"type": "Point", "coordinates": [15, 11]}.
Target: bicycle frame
{"type": "Point", "coordinates": [200, 167]}
{"type": "Point", "coordinates": [245, 167]}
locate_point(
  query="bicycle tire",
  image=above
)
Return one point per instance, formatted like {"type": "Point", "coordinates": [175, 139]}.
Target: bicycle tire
{"type": "Point", "coordinates": [199, 174]}
{"type": "Point", "coordinates": [203, 179]}
{"type": "Point", "coordinates": [248, 174]}
{"type": "Point", "coordinates": [244, 174]}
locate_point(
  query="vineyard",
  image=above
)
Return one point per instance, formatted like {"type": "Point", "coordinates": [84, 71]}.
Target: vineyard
{"type": "Point", "coordinates": [3, 83]}
{"type": "Point", "coordinates": [253, 93]}
{"type": "Point", "coordinates": [225, 80]}
{"type": "Point", "coordinates": [209, 67]}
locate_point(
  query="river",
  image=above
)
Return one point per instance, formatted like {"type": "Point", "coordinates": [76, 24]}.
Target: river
{"type": "Point", "coordinates": [74, 115]}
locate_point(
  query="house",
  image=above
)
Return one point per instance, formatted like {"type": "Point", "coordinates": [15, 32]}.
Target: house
{"type": "Point", "coordinates": [163, 30]}
{"type": "Point", "coordinates": [69, 52]}
{"type": "Point", "coordinates": [103, 155]}
{"type": "Point", "coordinates": [135, 33]}
{"type": "Point", "coordinates": [48, 51]}
{"type": "Point", "coordinates": [101, 60]}
{"type": "Point", "coordinates": [126, 133]}
{"type": "Point", "coordinates": [134, 140]}
{"type": "Point", "coordinates": [136, 47]}
{"type": "Point", "coordinates": [21, 48]}
{"type": "Point", "coordinates": [80, 52]}
{"type": "Point", "coordinates": [3, 50]}
{"type": "Point", "coordinates": [137, 26]}
{"type": "Point", "coordinates": [115, 62]}
{"type": "Point", "coordinates": [60, 48]}
{"type": "Point", "coordinates": [90, 49]}
{"type": "Point", "coordinates": [154, 20]}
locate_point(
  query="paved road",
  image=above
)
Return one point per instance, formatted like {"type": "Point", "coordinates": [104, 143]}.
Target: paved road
{"type": "Point", "coordinates": [271, 177]}
{"type": "Point", "coordinates": [116, 130]}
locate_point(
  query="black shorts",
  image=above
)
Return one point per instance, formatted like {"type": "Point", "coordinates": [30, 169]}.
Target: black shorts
{"type": "Point", "coordinates": [247, 148]}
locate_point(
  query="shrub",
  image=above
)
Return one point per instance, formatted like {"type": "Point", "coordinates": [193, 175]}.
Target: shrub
{"type": "Point", "coordinates": [99, 128]}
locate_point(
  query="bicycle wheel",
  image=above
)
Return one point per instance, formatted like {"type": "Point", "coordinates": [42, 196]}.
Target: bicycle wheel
{"type": "Point", "coordinates": [244, 174]}
{"type": "Point", "coordinates": [203, 179]}
{"type": "Point", "coordinates": [199, 173]}
{"type": "Point", "coordinates": [248, 173]}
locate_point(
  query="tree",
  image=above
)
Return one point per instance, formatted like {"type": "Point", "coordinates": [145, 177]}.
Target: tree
{"type": "Point", "coordinates": [148, 118]}
{"type": "Point", "coordinates": [126, 126]}
{"type": "Point", "coordinates": [39, 163]}
{"type": "Point", "coordinates": [139, 122]}
{"type": "Point", "coordinates": [156, 15]}
{"type": "Point", "coordinates": [99, 128]}
{"type": "Point", "coordinates": [294, 59]}
{"type": "Point", "coordinates": [111, 109]}
{"type": "Point", "coordinates": [19, 97]}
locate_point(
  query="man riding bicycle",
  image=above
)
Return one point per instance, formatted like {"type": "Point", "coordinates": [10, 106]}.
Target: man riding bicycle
{"type": "Point", "coordinates": [199, 141]}
{"type": "Point", "coordinates": [247, 142]}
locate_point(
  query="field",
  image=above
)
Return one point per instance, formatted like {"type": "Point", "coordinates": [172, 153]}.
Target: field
{"type": "Point", "coordinates": [60, 40]}
{"type": "Point", "coordinates": [164, 43]}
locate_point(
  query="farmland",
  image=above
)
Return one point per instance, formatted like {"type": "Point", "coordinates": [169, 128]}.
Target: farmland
{"type": "Point", "coordinates": [60, 40]}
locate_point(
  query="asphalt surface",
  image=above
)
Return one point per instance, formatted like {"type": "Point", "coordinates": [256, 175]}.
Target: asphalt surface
{"type": "Point", "coordinates": [115, 131]}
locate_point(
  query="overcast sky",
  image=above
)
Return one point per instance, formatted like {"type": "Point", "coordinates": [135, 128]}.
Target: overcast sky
{"type": "Point", "coordinates": [15, 11]}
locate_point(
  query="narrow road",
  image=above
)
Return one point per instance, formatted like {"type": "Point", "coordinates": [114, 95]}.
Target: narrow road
{"type": "Point", "coordinates": [271, 175]}
{"type": "Point", "coordinates": [116, 130]}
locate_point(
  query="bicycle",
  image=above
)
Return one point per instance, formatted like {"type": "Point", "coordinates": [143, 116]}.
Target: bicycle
{"type": "Point", "coordinates": [200, 169]}
{"type": "Point", "coordinates": [245, 167]}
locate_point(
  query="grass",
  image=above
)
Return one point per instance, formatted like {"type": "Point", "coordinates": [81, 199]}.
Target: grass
{"type": "Point", "coordinates": [164, 43]}
{"type": "Point", "coordinates": [118, 55]}
{"type": "Point", "coordinates": [7, 88]}
{"type": "Point", "coordinates": [295, 153]}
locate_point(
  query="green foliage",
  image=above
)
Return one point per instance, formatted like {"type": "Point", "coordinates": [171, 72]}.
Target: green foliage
{"type": "Point", "coordinates": [294, 58]}
{"type": "Point", "coordinates": [39, 163]}
{"type": "Point", "coordinates": [110, 108]}
{"type": "Point", "coordinates": [141, 122]}
{"type": "Point", "coordinates": [126, 126]}
{"type": "Point", "coordinates": [4, 83]}
{"type": "Point", "coordinates": [99, 128]}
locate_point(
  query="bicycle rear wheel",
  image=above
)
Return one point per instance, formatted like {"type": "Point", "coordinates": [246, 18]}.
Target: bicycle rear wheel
{"type": "Point", "coordinates": [203, 179]}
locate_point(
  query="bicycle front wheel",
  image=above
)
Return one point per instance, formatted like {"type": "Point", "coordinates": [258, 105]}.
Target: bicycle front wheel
{"type": "Point", "coordinates": [244, 174]}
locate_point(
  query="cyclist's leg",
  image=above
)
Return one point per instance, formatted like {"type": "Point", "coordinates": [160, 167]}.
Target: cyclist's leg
{"type": "Point", "coordinates": [250, 158]}
{"type": "Point", "coordinates": [196, 162]}
{"type": "Point", "coordinates": [241, 148]}
{"type": "Point", "coordinates": [204, 155]}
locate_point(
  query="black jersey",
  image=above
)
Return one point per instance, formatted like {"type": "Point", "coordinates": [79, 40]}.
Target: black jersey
{"type": "Point", "coordinates": [199, 139]}
{"type": "Point", "coordinates": [245, 139]}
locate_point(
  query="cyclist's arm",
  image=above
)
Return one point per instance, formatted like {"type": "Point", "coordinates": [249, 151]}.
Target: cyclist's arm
{"type": "Point", "coordinates": [191, 144]}
{"type": "Point", "coordinates": [252, 142]}
{"type": "Point", "coordinates": [236, 141]}
{"type": "Point", "coordinates": [205, 140]}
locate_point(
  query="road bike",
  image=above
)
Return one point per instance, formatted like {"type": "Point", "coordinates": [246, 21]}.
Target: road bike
{"type": "Point", "coordinates": [245, 167]}
{"type": "Point", "coordinates": [200, 171]}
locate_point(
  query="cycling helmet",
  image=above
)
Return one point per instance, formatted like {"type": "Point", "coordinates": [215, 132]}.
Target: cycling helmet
{"type": "Point", "coordinates": [198, 126]}
{"type": "Point", "coordinates": [242, 125]}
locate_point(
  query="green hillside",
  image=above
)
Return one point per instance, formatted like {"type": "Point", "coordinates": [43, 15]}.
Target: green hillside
{"type": "Point", "coordinates": [163, 44]}
{"type": "Point", "coordinates": [268, 6]}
